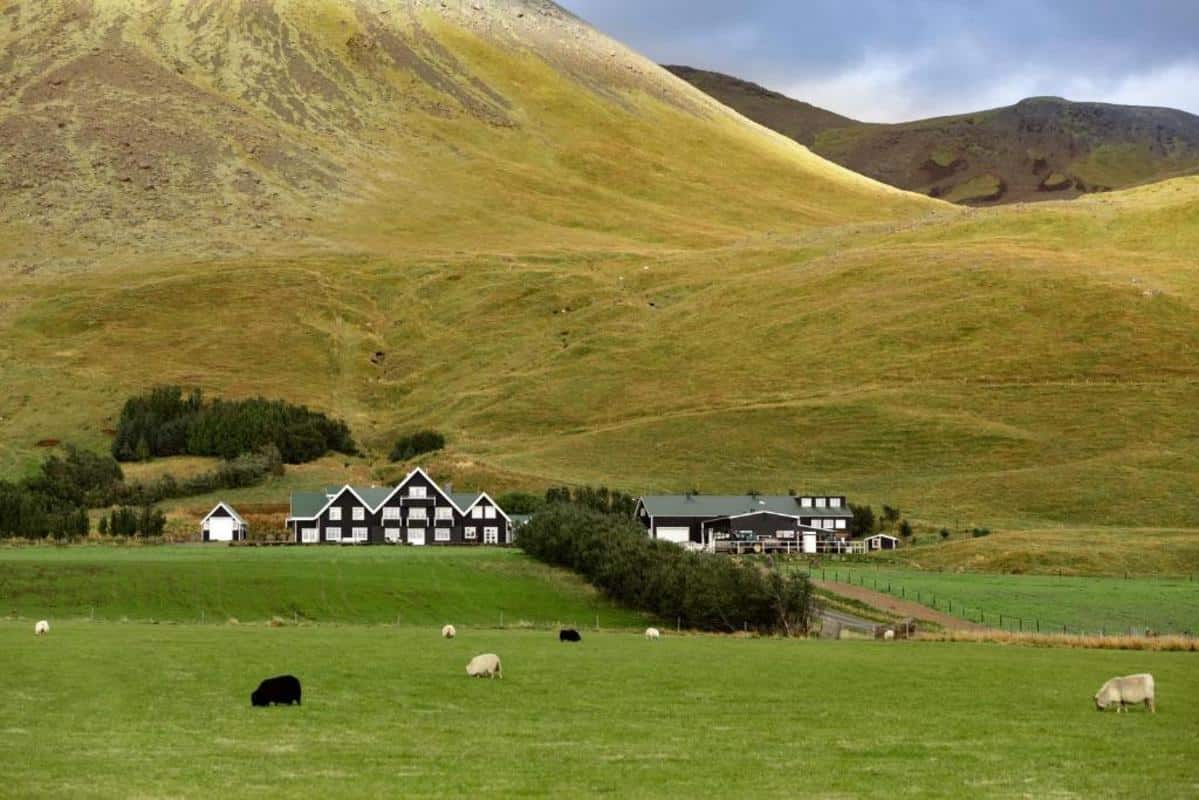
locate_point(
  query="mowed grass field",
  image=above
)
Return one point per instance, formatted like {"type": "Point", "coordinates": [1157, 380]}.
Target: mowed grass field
{"type": "Point", "coordinates": [1083, 604]}
{"type": "Point", "coordinates": [407, 586]}
{"type": "Point", "coordinates": [136, 710]}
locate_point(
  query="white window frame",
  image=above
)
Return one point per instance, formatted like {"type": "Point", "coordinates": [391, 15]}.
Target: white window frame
{"type": "Point", "coordinates": [491, 535]}
{"type": "Point", "coordinates": [841, 524]}
{"type": "Point", "coordinates": [361, 534]}
{"type": "Point", "coordinates": [829, 524]}
{"type": "Point", "coordinates": [444, 512]}
{"type": "Point", "coordinates": [821, 502]}
{"type": "Point", "coordinates": [310, 535]}
{"type": "Point", "coordinates": [805, 502]}
{"type": "Point", "coordinates": [424, 535]}
{"type": "Point", "coordinates": [335, 514]}
{"type": "Point", "coordinates": [392, 534]}
{"type": "Point", "coordinates": [418, 492]}
{"type": "Point", "coordinates": [489, 512]}
{"type": "Point", "coordinates": [834, 502]}
{"type": "Point", "coordinates": [391, 513]}
{"type": "Point", "coordinates": [476, 512]}
{"type": "Point", "coordinates": [332, 534]}
{"type": "Point", "coordinates": [418, 513]}
{"type": "Point", "coordinates": [441, 534]}
{"type": "Point", "coordinates": [471, 532]}
{"type": "Point", "coordinates": [358, 513]}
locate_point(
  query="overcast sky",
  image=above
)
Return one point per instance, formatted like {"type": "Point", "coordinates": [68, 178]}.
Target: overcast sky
{"type": "Point", "coordinates": [893, 60]}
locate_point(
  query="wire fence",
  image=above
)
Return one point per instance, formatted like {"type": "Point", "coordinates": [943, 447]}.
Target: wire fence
{"type": "Point", "coordinates": [979, 614]}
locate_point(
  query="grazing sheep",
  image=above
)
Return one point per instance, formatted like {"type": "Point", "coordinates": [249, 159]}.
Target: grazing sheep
{"type": "Point", "coordinates": [889, 634]}
{"type": "Point", "coordinates": [1128, 690]}
{"type": "Point", "coordinates": [449, 632]}
{"type": "Point", "coordinates": [484, 666]}
{"type": "Point", "coordinates": [569, 635]}
{"type": "Point", "coordinates": [41, 627]}
{"type": "Point", "coordinates": [653, 633]}
{"type": "Point", "coordinates": [282, 690]}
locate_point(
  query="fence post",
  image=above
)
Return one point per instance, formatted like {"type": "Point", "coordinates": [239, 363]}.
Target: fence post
{"type": "Point", "coordinates": [1038, 626]}
{"type": "Point", "coordinates": [1020, 621]}
{"type": "Point", "coordinates": [1001, 622]}
{"type": "Point", "coordinates": [501, 618]}
{"type": "Point", "coordinates": [678, 624]}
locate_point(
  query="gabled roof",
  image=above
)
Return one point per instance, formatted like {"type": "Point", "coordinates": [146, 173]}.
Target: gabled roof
{"type": "Point", "coordinates": [227, 508]}
{"type": "Point", "coordinates": [481, 496]}
{"type": "Point", "coordinates": [881, 535]}
{"type": "Point", "coordinates": [464, 500]}
{"type": "Point", "coordinates": [708, 506]}
{"type": "Point", "coordinates": [306, 505]}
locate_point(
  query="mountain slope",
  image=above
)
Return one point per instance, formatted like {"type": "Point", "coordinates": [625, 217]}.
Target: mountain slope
{"type": "Point", "coordinates": [578, 267]}
{"type": "Point", "coordinates": [1040, 148]}
{"type": "Point", "coordinates": [211, 125]}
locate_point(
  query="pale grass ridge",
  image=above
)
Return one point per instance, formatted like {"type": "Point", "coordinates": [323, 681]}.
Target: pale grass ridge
{"type": "Point", "coordinates": [1172, 643]}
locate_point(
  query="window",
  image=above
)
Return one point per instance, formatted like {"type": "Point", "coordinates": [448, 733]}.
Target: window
{"type": "Point", "coordinates": [489, 512]}
{"type": "Point", "coordinates": [834, 502]}
{"type": "Point", "coordinates": [471, 533]}
{"type": "Point", "coordinates": [477, 512]}
{"type": "Point", "coordinates": [417, 513]}
{"type": "Point", "coordinates": [445, 512]}
{"type": "Point", "coordinates": [491, 535]}
{"type": "Point", "coordinates": [805, 502]}
{"type": "Point", "coordinates": [359, 513]}
{"type": "Point", "coordinates": [333, 534]}
{"type": "Point", "coordinates": [821, 502]}
{"type": "Point", "coordinates": [360, 534]}
{"type": "Point", "coordinates": [310, 535]}
{"type": "Point", "coordinates": [391, 534]}
{"type": "Point", "coordinates": [391, 512]}
{"type": "Point", "coordinates": [417, 492]}
{"type": "Point", "coordinates": [335, 514]}
{"type": "Point", "coordinates": [840, 524]}
{"type": "Point", "coordinates": [828, 524]}
{"type": "Point", "coordinates": [785, 534]}
{"type": "Point", "coordinates": [441, 535]}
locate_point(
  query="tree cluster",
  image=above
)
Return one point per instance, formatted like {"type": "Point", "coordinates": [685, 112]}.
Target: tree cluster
{"type": "Point", "coordinates": [165, 422]}
{"type": "Point", "coordinates": [415, 444]}
{"type": "Point", "coordinates": [601, 499]}
{"type": "Point", "coordinates": [703, 591]}
{"type": "Point", "coordinates": [144, 522]}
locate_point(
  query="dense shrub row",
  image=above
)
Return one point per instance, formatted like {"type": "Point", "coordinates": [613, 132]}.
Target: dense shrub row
{"type": "Point", "coordinates": [602, 499]}
{"type": "Point", "coordinates": [245, 470]}
{"type": "Point", "coordinates": [164, 422]}
{"type": "Point", "coordinates": [125, 521]}
{"type": "Point", "coordinates": [30, 514]}
{"type": "Point", "coordinates": [703, 591]}
{"type": "Point", "coordinates": [415, 444]}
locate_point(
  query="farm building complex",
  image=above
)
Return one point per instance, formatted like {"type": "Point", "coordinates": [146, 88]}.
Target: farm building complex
{"type": "Point", "coordinates": [808, 524]}
{"type": "Point", "coordinates": [416, 512]}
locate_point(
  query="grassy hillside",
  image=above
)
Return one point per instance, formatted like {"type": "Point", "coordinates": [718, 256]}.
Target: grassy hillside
{"type": "Point", "coordinates": [1039, 149]}
{"type": "Point", "coordinates": [391, 712]}
{"type": "Point", "coordinates": [1083, 604]}
{"type": "Point", "coordinates": [345, 585]}
{"type": "Point", "coordinates": [580, 269]}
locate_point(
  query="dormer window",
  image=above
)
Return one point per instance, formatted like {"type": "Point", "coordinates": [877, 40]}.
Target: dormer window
{"type": "Point", "coordinates": [821, 502]}
{"type": "Point", "coordinates": [417, 492]}
{"type": "Point", "coordinates": [805, 502]}
{"type": "Point", "coordinates": [834, 502]}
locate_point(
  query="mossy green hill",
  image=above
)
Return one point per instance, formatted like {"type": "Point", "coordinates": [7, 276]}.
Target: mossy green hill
{"type": "Point", "coordinates": [499, 224]}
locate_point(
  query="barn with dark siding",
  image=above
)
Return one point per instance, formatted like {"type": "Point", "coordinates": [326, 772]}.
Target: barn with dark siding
{"type": "Point", "coordinates": [808, 523]}
{"type": "Point", "coordinates": [417, 511]}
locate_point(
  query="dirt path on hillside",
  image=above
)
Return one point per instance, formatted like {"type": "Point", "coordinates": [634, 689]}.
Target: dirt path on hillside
{"type": "Point", "coordinates": [897, 607]}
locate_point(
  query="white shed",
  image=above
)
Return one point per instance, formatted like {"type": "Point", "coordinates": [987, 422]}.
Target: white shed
{"type": "Point", "coordinates": [222, 524]}
{"type": "Point", "coordinates": [881, 541]}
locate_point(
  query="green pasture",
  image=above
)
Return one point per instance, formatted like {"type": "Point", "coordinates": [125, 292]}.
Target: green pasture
{"type": "Point", "coordinates": [138, 710]}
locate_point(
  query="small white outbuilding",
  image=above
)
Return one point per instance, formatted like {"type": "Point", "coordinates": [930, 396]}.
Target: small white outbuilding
{"type": "Point", "coordinates": [881, 541]}
{"type": "Point", "coordinates": [222, 524]}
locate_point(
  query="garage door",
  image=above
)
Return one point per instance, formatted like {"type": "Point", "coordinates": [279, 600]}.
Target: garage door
{"type": "Point", "coordinates": [678, 535]}
{"type": "Point", "coordinates": [220, 529]}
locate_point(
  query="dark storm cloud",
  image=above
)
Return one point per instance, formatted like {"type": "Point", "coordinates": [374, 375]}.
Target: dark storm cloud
{"type": "Point", "coordinates": [896, 59]}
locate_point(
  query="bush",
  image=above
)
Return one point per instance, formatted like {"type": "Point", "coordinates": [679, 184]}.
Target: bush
{"type": "Point", "coordinates": [863, 523]}
{"type": "Point", "coordinates": [145, 522]}
{"type": "Point", "coordinates": [905, 529]}
{"type": "Point", "coordinates": [165, 423]}
{"type": "Point", "coordinates": [520, 502]}
{"type": "Point", "coordinates": [704, 591]}
{"type": "Point", "coordinates": [601, 499]}
{"type": "Point", "coordinates": [978, 533]}
{"type": "Point", "coordinates": [945, 533]}
{"type": "Point", "coordinates": [415, 444]}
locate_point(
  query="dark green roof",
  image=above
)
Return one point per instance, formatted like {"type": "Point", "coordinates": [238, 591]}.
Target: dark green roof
{"type": "Point", "coordinates": [307, 504]}
{"type": "Point", "coordinates": [464, 500]}
{"type": "Point", "coordinates": [708, 506]}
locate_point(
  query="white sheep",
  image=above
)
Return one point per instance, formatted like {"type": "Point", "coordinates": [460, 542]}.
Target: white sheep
{"type": "Point", "coordinates": [41, 627]}
{"type": "Point", "coordinates": [1128, 690]}
{"type": "Point", "coordinates": [449, 632]}
{"type": "Point", "coordinates": [653, 633]}
{"type": "Point", "coordinates": [889, 634]}
{"type": "Point", "coordinates": [484, 666]}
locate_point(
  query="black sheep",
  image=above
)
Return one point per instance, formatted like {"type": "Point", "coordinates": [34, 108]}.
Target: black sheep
{"type": "Point", "coordinates": [569, 635]}
{"type": "Point", "coordinates": [281, 690]}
